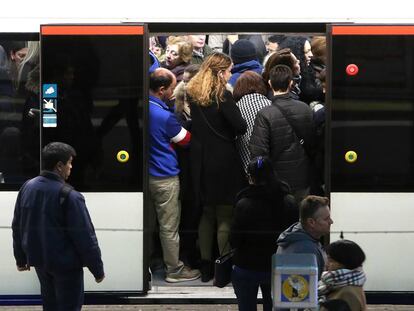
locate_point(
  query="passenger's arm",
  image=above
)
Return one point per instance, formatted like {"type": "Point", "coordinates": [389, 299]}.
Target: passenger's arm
{"type": "Point", "coordinates": [177, 134]}
{"type": "Point", "coordinates": [259, 144]}
{"type": "Point", "coordinates": [19, 255]}
{"type": "Point", "coordinates": [232, 114]}
{"type": "Point", "coordinates": [82, 234]}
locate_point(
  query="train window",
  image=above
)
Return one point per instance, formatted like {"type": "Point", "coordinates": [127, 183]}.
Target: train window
{"type": "Point", "coordinates": [372, 113]}
{"type": "Point", "coordinates": [19, 109]}
{"type": "Point", "coordinates": [93, 100]}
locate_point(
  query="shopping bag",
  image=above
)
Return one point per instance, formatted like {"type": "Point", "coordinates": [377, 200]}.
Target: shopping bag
{"type": "Point", "coordinates": [222, 269]}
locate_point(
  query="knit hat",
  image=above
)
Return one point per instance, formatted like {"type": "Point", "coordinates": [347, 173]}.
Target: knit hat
{"type": "Point", "coordinates": [243, 51]}
{"type": "Point", "coordinates": [347, 253]}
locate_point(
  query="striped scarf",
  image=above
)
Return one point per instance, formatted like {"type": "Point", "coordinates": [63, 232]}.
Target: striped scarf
{"type": "Point", "coordinates": [332, 280]}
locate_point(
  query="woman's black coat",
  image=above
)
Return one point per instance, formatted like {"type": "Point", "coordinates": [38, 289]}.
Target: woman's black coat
{"type": "Point", "coordinates": [216, 168]}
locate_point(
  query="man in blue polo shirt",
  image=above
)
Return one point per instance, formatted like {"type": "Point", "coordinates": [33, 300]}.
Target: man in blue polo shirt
{"type": "Point", "coordinates": [164, 184]}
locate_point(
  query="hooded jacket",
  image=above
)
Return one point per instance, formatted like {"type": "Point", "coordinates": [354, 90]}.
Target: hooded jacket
{"type": "Point", "coordinates": [252, 65]}
{"type": "Point", "coordinates": [296, 240]}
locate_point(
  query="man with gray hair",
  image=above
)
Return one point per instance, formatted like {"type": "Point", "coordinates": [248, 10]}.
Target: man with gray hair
{"type": "Point", "coordinates": [304, 236]}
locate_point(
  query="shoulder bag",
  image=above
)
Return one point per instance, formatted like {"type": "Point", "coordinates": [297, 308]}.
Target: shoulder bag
{"type": "Point", "coordinates": [302, 141]}
{"type": "Point", "coordinates": [212, 128]}
{"type": "Point", "coordinates": [222, 269]}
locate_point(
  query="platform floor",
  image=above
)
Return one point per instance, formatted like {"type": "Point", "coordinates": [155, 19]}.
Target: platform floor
{"type": "Point", "coordinates": [191, 296]}
{"type": "Point", "coordinates": [188, 308]}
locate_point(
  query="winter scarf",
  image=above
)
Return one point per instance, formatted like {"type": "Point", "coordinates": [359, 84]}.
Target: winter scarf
{"type": "Point", "coordinates": [332, 280]}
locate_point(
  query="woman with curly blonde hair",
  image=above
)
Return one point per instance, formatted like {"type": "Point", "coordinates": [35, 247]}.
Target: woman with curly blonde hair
{"type": "Point", "coordinates": [177, 55]}
{"type": "Point", "coordinates": [216, 167]}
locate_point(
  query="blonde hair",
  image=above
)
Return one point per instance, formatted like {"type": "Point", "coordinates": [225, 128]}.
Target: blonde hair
{"type": "Point", "coordinates": [208, 85]}
{"type": "Point", "coordinates": [185, 47]}
{"type": "Point", "coordinates": [318, 46]}
{"type": "Point", "coordinates": [32, 57]}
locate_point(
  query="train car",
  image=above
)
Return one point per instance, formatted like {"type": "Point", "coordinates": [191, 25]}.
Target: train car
{"type": "Point", "coordinates": [96, 61]}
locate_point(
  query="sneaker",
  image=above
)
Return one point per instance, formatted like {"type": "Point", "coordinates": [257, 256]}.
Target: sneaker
{"type": "Point", "coordinates": [184, 275]}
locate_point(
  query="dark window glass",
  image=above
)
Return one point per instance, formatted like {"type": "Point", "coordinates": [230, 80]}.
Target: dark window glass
{"type": "Point", "coordinates": [99, 85]}
{"type": "Point", "coordinates": [373, 113]}
{"type": "Point", "coordinates": [19, 109]}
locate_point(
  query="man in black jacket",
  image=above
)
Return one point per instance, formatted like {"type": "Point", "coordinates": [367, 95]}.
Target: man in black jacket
{"type": "Point", "coordinates": [284, 132]}
{"type": "Point", "coordinates": [53, 232]}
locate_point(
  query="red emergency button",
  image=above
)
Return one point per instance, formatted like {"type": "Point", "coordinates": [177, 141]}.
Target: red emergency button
{"type": "Point", "coordinates": [352, 70]}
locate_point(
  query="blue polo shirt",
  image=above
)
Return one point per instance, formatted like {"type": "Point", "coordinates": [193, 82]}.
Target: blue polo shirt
{"type": "Point", "coordinates": [164, 128]}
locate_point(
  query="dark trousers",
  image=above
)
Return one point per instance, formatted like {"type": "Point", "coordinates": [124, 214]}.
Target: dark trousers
{"type": "Point", "coordinates": [246, 285]}
{"type": "Point", "coordinates": [61, 291]}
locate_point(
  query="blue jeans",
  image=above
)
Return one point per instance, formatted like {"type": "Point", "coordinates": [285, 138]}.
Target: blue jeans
{"type": "Point", "coordinates": [246, 286]}
{"type": "Point", "coordinates": [61, 291]}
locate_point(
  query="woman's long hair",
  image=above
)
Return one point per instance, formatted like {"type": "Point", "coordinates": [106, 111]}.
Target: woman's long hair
{"type": "Point", "coordinates": [208, 84]}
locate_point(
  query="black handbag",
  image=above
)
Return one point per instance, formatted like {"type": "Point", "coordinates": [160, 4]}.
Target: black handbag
{"type": "Point", "coordinates": [222, 269]}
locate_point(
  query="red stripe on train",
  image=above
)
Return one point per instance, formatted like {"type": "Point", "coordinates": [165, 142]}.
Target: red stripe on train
{"type": "Point", "coordinates": [86, 30]}
{"type": "Point", "coordinates": [372, 30]}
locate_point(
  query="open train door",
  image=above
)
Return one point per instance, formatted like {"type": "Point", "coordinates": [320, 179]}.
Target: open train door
{"type": "Point", "coordinates": [93, 95]}
{"type": "Point", "coordinates": [371, 156]}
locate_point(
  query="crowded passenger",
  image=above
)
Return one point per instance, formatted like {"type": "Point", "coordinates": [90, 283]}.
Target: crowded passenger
{"type": "Point", "coordinates": [318, 164]}
{"type": "Point", "coordinates": [304, 236]}
{"type": "Point", "coordinates": [14, 53]}
{"type": "Point", "coordinates": [182, 106]}
{"type": "Point", "coordinates": [178, 55]}
{"type": "Point", "coordinates": [250, 96]}
{"type": "Point", "coordinates": [283, 57]}
{"type": "Point", "coordinates": [256, 39]}
{"type": "Point", "coordinates": [156, 48]}
{"type": "Point", "coordinates": [272, 45]}
{"type": "Point", "coordinates": [244, 57]}
{"type": "Point", "coordinates": [256, 223]}
{"type": "Point", "coordinates": [190, 212]}
{"type": "Point", "coordinates": [301, 48]}
{"type": "Point", "coordinates": [318, 60]}
{"type": "Point", "coordinates": [216, 166]}
{"type": "Point", "coordinates": [344, 278]}
{"type": "Point", "coordinates": [27, 64]}
{"type": "Point", "coordinates": [200, 49]}
{"type": "Point", "coordinates": [29, 86]}
{"type": "Point", "coordinates": [283, 131]}
{"type": "Point", "coordinates": [164, 184]}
